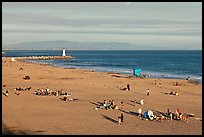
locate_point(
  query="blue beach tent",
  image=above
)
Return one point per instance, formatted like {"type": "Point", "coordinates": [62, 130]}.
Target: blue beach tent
{"type": "Point", "coordinates": [136, 72]}
{"type": "Point", "coordinates": [145, 115]}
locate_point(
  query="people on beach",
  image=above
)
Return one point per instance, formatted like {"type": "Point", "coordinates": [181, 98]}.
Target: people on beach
{"type": "Point", "coordinates": [17, 93]}
{"type": "Point", "coordinates": [128, 87]}
{"type": "Point", "coordinates": [148, 92]}
{"type": "Point", "coordinates": [47, 89]}
{"type": "Point", "coordinates": [188, 78]}
{"type": "Point", "coordinates": [22, 88]}
{"type": "Point", "coordinates": [112, 104]}
{"type": "Point", "coordinates": [57, 93]}
{"type": "Point", "coordinates": [171, 116]}
{"type": "Point", "coordinates": [26, 77]}
{"type": "Point", "coordinates": [142, 101]}
{"type": "Point", "coordinates": [121, 104]}
{"type": "Point", "coordinates": [72, 99]}
{"type": "Point", "coordinates": [116, 107]}
{"type": "Point", "coordinates": [124, 88]}
{"type": "Point", "coordinates": [36, 92]}
{"type": "Point", "coordinates": [105, 104]}
{"type": "Point", "coordinates": [139, 112]}
{"type": "Point", "coordinates": [168, 111]}
{"type": "Point", "coordinates": [108, 105]}
{"type": "Point", "coordinates": [7, 93]}
{"type": "Point", "coordinates": [120, 119]}
{"type": "Point", "coordinates": [41, 92]}
{"type": "Point", "coordinates": [174, 93]}
{"type": "Point", "coordinates": [65, 98]}
{"type": "Point", "coordinates": [178, 113]}
{"type": "Point", "coordinates": [184, 118]}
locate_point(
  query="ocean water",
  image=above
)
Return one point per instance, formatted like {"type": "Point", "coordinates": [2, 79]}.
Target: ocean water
{"type": "Point", "coordinates": [154, 63]}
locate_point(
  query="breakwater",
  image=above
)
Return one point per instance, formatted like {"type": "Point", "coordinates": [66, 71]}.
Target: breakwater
{"type": "Point", "coordinates": [43, 57]}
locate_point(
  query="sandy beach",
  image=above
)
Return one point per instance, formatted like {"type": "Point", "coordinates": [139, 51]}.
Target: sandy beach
{"type": "Point", "coordinates": [50, 115]}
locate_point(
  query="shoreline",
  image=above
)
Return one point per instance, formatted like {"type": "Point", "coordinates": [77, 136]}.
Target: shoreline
{"type": "Point", "coordinates": [52, 115]}
{"type": "Point", "coordinates": [106, 72]}
{"type": "Point", "coordinates": [193, 80]}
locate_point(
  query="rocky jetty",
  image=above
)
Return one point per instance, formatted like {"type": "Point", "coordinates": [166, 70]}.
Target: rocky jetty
{"type": "Point", "coordinates": [44, 57]}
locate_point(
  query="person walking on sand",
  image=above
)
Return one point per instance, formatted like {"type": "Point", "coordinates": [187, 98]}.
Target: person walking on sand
{"type": "Point", "coordinates": [171, 115]}
{"type": "Point", "coordinates": [122, 118]}
{"type": "Point", "coordinates": [119, 120]}
{"type": "Point", "coordinates": [148, 92]}
{"type": "Point", "coordinates": [142, 101]}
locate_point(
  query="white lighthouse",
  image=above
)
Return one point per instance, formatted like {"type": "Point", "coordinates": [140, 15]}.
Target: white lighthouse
{"type": "Point", "coordinates": [63, 52]}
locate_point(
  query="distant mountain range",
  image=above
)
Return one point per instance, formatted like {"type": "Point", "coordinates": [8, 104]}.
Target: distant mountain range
{"type": "Point", "coordinates": [70, 45]}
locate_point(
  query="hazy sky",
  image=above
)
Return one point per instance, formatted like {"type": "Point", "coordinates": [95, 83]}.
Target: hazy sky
{"type": "Point", "coordinates": [176, 25]}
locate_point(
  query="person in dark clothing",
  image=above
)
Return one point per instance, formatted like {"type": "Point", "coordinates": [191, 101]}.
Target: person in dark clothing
{"type": "Point", "coordinates": [122, 118]}
{"type": "Point", "coordinates": [148, 92]}
{"type": "Point", "coordinates": [7, 93]}
{"type": "Point", "coordinates": [128, 86]}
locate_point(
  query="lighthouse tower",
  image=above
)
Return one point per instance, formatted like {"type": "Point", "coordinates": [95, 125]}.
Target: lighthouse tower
{"type": "Point", "coordinates": [63, 52]}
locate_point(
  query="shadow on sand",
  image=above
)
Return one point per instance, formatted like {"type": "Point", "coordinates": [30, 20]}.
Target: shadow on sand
{"type": "Point", "coordinates": [15, 131]}
{"type": "Point", "coordinates": [165, 93]}
{"type": "Point", "coordinates": [97, 103]}
{"type": "Point", "coordinates": [130, 112]}
{"type": "Point", "coordinates": [134, 101]}
{"type": "Point", "coordinates": [110, 119]}
{"type": "Point", "coordinates": [130, 104]}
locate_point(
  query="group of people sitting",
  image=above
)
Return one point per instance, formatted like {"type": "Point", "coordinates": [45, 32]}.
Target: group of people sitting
{"type": "Point", "coordinates": [26, 77]}
{"type": "Point", "coordinates": [178, 115]}
{"type": "Point", "coordinates": [6, 93]}
{"type": "Point", "coordinates": [47, 91]}
{"type": "Point", "coordinates": [60, 93]}
{"type": "Point", "coordinates": [174, 93]}
{"type": "Point", "coordinates": [150, 115]}
{"type": "Point", "coordinates": [65, 98]}
{"type": "Point", "coordinates": [42, 91]}
{"type": "Point", "coordinates": [22, 88]}
{"type": "Point", "coordinates": [107, 105]}
{"type": "Point", "coordinates": [126, 88]}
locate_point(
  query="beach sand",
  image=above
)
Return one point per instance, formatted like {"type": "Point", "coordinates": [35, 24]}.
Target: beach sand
{"type": "Point", "coordinates": [49, 115]}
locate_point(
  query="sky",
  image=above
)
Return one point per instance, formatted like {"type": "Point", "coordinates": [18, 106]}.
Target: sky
{"type": "Point", "coordinates": [167, 25]}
